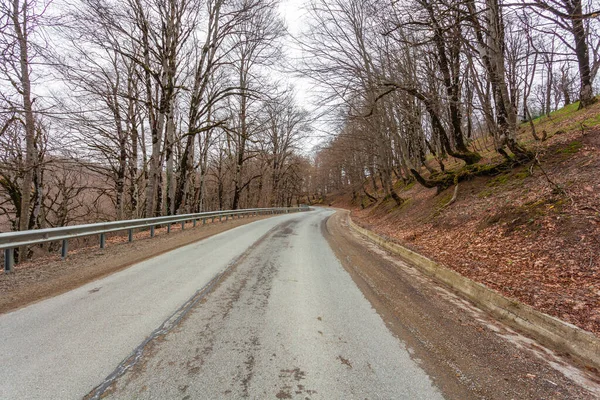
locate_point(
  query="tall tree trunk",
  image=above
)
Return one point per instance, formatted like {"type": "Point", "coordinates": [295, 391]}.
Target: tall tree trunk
{"type": "Point", "coordinates": [133, 162]}
{"type": "Point", "coordinates": [20, 20]}
{"type": "Point", "coordinates": [586, 94]}
{"type": "Point", "coordinates": [170, 178]}
{"type": "Point", "coordinates": [186, 169]}
{"type": "Point", "coordinates": [241, 146]}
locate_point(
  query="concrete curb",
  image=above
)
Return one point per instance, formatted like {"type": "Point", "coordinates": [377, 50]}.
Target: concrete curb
{"type": "Point", "coordinates": [550, 331]}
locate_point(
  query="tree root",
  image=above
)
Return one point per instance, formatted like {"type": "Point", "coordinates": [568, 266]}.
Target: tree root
{"type": "Point", "coordinates": [469, 157]}
{"type": "Point", "coordinates": [444, 180]}
{"type": "Point", "coordinates": [453, 199]}
{"type": "Point", "coordinates": [399, 200]}
{"type": "Point", "coordinates": [369, 195]}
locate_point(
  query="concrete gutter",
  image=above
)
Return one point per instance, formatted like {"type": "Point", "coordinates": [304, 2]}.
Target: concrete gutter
{"type": "Point", "coordinates": [552, 332]}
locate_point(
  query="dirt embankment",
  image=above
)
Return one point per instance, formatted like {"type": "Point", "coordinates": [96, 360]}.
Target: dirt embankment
{"type": "Point", "coordinates": [531, 233]}
{"type": "Point", "coordinates": [461, 348]}
{"type": "Point", "coordinates": [49, 276]}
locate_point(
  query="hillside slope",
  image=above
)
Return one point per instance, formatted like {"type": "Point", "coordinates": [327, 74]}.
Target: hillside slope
{"type": "Point", "coordinates": [532, 233]}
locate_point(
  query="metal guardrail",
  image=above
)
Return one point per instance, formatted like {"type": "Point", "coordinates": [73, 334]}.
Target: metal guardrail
{"type": "Point", "coordinates": [12, 240]}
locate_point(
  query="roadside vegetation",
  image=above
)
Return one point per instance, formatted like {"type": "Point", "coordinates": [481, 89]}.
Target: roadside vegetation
{"type": "Point", "coordinates": [114, 110]}
{"type": "Point", "coordinates": [470, 132]}
{"type": "Point", "coordinates": [531, 232]}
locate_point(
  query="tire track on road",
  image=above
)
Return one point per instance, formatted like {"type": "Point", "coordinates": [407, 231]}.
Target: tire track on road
{"type": "Point", "coordinates": [178, 316]}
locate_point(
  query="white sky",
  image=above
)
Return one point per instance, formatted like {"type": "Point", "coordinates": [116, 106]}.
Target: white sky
{"type": "Point", "coordinates": [296, 17]}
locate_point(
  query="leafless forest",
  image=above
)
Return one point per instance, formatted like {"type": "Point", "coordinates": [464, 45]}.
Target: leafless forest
{"type": "Point", "coordinates": [129, 109]}
{"type": "Point", "coordinates": [426, 85]}
{"type": "Point", "coordinates": [115, 109]}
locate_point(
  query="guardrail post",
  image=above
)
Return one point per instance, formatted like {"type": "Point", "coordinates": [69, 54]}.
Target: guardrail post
{"type": "Point", "coordinates": [152, 231]}
{"type": "Point", "coordinates": [213, 219]}
{"type": "Point", "coordinates": [227, 217]}
{"type": "Point", "coordinates": [203, 221]}
{"type": "Point", "coordinates": [102, 240]}
{"type": "Point", "coordinates": [9, 260]}
{"type": "Point", "coordinates": [64, 249]}
{"type": "Point", "coordinates": [182, 225]}
{"type": "Point", "coordinates": [169, 227]}
{"type": "Point", "coordinates": [130, 235]}
{"type": "Point", "coordinates": [195, 222]}
{"type": "Point", "coordinates": [220, 218]}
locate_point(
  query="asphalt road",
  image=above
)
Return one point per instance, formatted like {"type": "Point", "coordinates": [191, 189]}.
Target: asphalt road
{"type": "Point", "coordinates": [266, 310]}
{"type": "Point", "coordinates": [61, 348]}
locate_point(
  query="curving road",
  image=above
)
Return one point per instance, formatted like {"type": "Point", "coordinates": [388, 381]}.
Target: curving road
{"type": "Point", "coordinates": [265, 310]}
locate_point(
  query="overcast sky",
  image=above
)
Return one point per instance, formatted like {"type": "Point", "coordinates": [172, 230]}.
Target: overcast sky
{"type": "Point", "coordinates": [296, 18]}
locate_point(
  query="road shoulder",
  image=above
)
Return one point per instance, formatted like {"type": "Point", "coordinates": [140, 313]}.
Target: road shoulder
{"type": "Point", "coordinates": [51, 276]}
{"type": "Point", "coordinates": [461, 347]}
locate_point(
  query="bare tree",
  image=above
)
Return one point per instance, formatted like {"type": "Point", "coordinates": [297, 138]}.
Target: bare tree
{"type": "Point", "coordinates": [19, 20]}
{"type": "Point", "coordinates": [287, 126]}
{"type": "Point", "coordinates": [255, 43]}
{"type": "Point", "coordinates": [571, 16]}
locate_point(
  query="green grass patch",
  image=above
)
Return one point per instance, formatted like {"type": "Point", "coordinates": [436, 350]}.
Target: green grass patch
{"type": "Point", "coordinates": [399, 185]}
{"type": "Point", "coordinates": [443, 200]}
{"type": "Point", "coordinates": [407, 202]}
{"type": "Point", "coordinates": [570, 148]}
{"type": "Point", "coordinates": [499, 180]}
{"type": "Point", "coordinates": [502, 180]}
{"type": "Point", "coordinates": [567, 119]}
{"type": "Point", "coordinates": [527, 217]}
{"type": "Point", "coordinates": [522, 175]}
{"type": "Point", "coordinates": [410, 185]}
{"type": "Point", "coordinates": [590, 122]}
{"type": "Point", "coordinates": [558, 115]}
{"type": "Point", "coordinates": [366, 202]}
{"type": "Point", "coordinates": [485, 193]}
